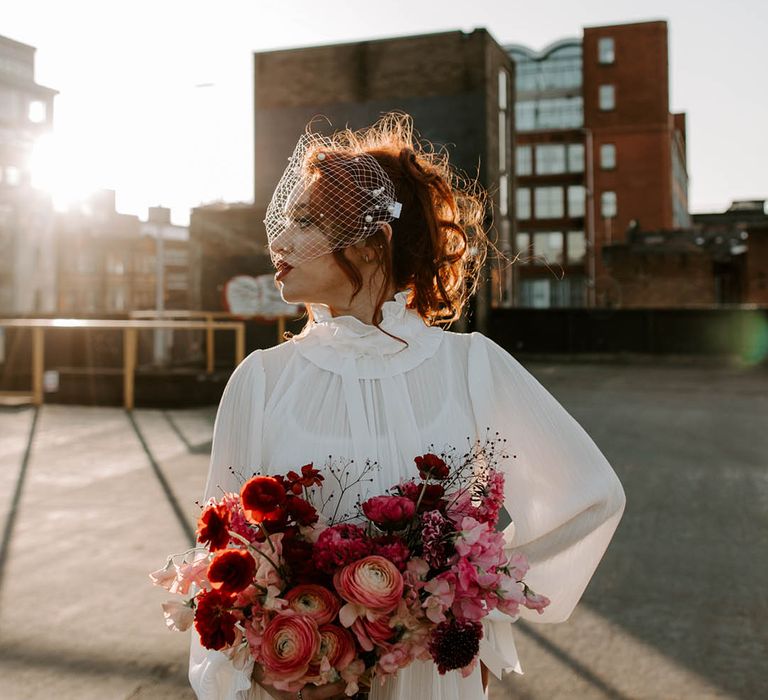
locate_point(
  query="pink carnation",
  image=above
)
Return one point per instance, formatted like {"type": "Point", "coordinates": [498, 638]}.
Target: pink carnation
{"type": "Point", "coordinates": [392, 548]}
{"type": "Point", "coordinates": [340, 545]}
{"type": "Point", "coordinates": [389, 512]}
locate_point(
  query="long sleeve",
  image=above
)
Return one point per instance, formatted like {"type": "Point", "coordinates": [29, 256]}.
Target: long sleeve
{"type": "Point", "coordinates": [236, 444]}
{"type": "Point", "coordinates": [564, 498]}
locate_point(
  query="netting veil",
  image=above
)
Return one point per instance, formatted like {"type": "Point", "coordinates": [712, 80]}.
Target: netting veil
{"type": "Point", "coordinates": [328, 198]}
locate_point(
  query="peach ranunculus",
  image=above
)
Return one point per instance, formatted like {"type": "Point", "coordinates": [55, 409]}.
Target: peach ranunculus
{"type": "Point", "coordinates": [289, 644]}
{"type": "Point", "coordinates": [314, 601]}
{"type": "Point", "coordinates": [337, 650]}
{"type": "Point", "coordinates": [372, 587]}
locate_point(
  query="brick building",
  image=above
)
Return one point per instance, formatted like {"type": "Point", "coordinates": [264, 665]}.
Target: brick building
{"type": "Point", "coordinates": [596, 148]}
{"type": "Point", "coordinates": [457, 86]}
{"type": "Point", "coordinates": [27, 280]}
{"type": "Point", "coordinates": [107, 262]}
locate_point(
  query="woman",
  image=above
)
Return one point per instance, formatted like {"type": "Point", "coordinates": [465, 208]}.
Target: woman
{"type": "Point", "coordinates": [380, 240]}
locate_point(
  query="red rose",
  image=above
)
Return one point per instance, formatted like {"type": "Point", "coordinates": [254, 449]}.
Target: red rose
{"type": "Point", "coordinates": [431, 499]}
{"type": "Point", "coordinates": [432, 467]}
{"type": "Point", "coordinates": [213, 620]}
{"type": "Point", "coordinates": [213, 527]}
{"type": "Point", "coordinates": [303, 512]}
{"type": "Point", "coordinates": [389, 512]}
{"type": "Point", "coordinates": [231, 570]}
{"type": "Point", "coordinates": [261, 496]}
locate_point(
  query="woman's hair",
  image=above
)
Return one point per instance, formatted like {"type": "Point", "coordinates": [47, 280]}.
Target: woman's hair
{"type": "Point", "coordinates": [438, 242]}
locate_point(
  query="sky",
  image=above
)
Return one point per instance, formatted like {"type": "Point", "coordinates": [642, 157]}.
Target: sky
{"type": "Point", "coordinates": [155, 97]}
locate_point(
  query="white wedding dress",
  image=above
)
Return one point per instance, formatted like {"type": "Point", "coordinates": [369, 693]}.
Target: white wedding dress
{"type": "Point", "coordinates": [345, 389]}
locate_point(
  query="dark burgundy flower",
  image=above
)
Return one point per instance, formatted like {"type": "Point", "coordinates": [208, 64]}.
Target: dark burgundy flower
{"type": "Point", "coordinates": [297, 554]}
{"type": "Point", "coordinates": [261, 496]}
{"type": "Point", "coordinates": [231, 570]}
{"type": "Point", "coordinates": [213, 526]}
{"type": "Point", "coordinates": [434, 531]}
{"type": "Point", "coordinates": [455, 643]}
{"type": "Point", "coordinates": [432, 499]}
{"type": "Point", "coordinates": [303, 512]}
{"type": "Point", "coordinates": [431, 466]}
{"type": "Point", "coordinates": [213, 620]}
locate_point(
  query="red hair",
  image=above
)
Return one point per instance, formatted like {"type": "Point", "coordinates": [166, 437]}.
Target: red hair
{"type": "Point", "coordinates": [438, 243]}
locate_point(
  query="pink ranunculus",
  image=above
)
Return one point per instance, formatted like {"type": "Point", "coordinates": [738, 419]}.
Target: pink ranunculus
{"type": "Point", "coordinates": [289, 644]}
{"type": "Point", "coordinates": [315, 601]}
{"type": "Point", "coordinates": [389, 512]}
{"type": "Point", "coordinates": [371, 586]}
{"type": "Point", "coordinates": [337, 646]}
{"type": "Point", "coordinates": [178, 615]}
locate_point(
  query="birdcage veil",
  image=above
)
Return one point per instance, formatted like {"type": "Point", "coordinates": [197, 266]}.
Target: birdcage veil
{"type": "Point", "coordinates": [329, 197]}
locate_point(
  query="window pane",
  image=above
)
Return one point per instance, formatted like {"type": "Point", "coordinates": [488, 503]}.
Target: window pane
{"type": "Point", "coordinates": [503, 87]}
{"type": "Point", "coordinates": [504, 195]}
{"type": "Point", "coordinates": [607, 156]}
{"type": "Point", "coordinates": [523, 210]}
{"type": "Point", "coordinates": [608, 205]}
{"type": "Point", "coordinates": [523, 246]}
{"type": "Point", "coordinates": [36, 112]}
{"type": "Point", "coordinates": [577, 247]}
{"type": "Point", "coordinates": [502, 141]}
{"type": "Point", "coordinates": [576, 199]}
{"type": "Point", "coordinates": [549, 203]}
{"type": "Point", "coordinates": [605, 50]}
{"type": "Point", "coordinates": [576, 158]}
{"type": "Point", "coordinates": [12, 175]}
{"type": "Point", "coordinates": [525, 116]}
{"type": "Point", "coordinates": [550, 159]}
{"type": "Point", "coordinates": [549, 245]}
{"type": "Point", "coordinates": [607, 97]}
{"type": "Point", "coordinates": [524, 161]}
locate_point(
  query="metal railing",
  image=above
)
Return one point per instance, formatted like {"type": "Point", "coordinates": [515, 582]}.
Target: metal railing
{"type": "Point", "coordinates": [130, 343]}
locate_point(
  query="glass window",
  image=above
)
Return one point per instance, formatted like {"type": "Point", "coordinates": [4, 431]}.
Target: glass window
{"type": "Point", "coordinates": [523, 160]}
{"type": "Point", "coordinates": [550, 159]}
{"type": "Point", "coordinates": [525, 116]}
{"type": "Point", "coordinates": [504, 195]}
{"type": "Point", "coordinates": [502, 141]}
{"type": "Point", "coordinates": [37, 112]}
{"type": "Point", "coordinates": [549, 245]}
{"type": "Point", "coordinates": [523, 246]}
{"type": "Point", "coordinates": [607, 156]}
{"type": "Point", "coordinates": [576, 200]}
{"type": "Point", "coordinates": [503, 88]}
{"type": "Point", "coordinates": [605, 50]}
{"type": "Point", "coordinates": [575, 157]}
{"type": "Point", "coordinates": [608, 204]}
{"type": "Point", "coordinates": [549, 203]}
{"type": "Point", "coordinates": [607, 98]}
{"type": "Point", "coordinates": [577, 247]}
{"type": "Point", "coordinates": [523, 210]}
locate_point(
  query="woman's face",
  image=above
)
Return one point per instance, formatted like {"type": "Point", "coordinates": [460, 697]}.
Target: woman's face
{"type": "Point", "coordinates": [307, 271]}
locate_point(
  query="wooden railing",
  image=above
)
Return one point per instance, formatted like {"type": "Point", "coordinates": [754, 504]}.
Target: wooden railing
{"type": "Point", "coordinates": [130, 343]}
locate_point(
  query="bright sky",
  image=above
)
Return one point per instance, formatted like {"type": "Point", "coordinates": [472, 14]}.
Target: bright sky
{"type": "Point", "coordinates": [156, 96]}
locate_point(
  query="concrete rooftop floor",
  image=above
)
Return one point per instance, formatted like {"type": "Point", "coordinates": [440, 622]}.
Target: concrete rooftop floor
{"type": "Point", "coordinates": [92, 499]}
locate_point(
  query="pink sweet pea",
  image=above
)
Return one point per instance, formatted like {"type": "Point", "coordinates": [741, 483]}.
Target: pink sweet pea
{"type": "Point", "coordinates": [178, 615]}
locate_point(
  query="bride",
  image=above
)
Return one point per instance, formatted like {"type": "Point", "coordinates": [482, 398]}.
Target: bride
{"type": "Point", "coordinates": [381, 241]}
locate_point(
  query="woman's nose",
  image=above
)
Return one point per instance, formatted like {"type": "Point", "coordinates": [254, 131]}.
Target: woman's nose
{"type": "Point", "coordinates": [280, 244]}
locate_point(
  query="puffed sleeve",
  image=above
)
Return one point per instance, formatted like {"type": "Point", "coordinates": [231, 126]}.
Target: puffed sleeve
{"type": "Point", "coordinates": [563, 497]}
{"type": "Point", "coordinates": [236, 444]}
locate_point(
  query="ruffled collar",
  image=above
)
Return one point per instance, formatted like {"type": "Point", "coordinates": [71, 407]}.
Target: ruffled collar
{"type": "Point", "coordinates": [339, 343]}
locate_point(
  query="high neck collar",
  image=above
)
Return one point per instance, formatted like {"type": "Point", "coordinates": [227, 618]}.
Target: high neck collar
{"type": "Point", "coordinates": [401, 340]}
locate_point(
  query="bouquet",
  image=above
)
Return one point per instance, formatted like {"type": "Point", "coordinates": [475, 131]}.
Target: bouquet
{"type": "Point", "coordinates": [314, 599]}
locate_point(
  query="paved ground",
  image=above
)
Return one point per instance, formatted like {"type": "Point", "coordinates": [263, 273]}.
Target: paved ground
{"type": "Point", "coordinates": [677, 609]}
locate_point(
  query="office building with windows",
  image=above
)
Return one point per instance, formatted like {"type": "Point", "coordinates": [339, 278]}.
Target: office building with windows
{"type": "Point", "coordinates": [27, 279]}
{"type": "Point", "coordinates": [596, 149]}
{"type": "Point", "coordinates": [458, 87]}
